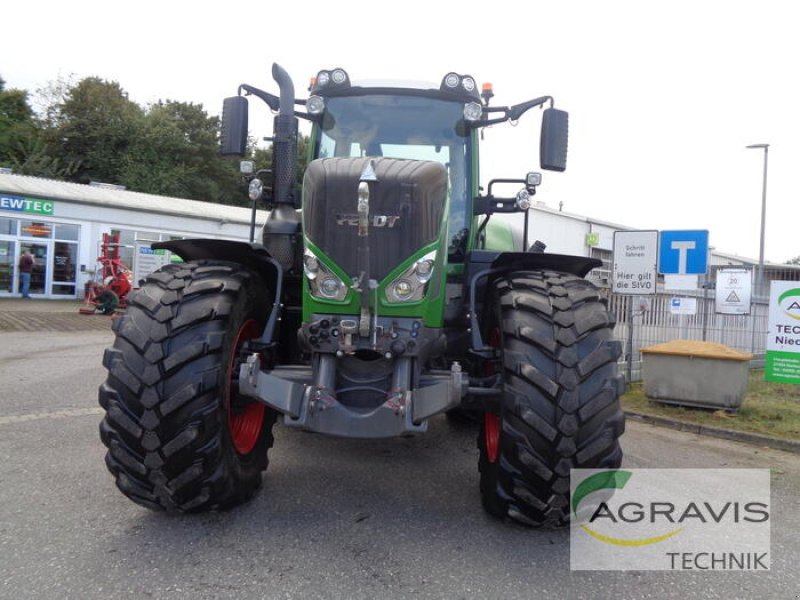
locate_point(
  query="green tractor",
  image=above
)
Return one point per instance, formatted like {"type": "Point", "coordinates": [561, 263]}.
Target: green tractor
{"type": "Point", "coordinates": [381, 295]}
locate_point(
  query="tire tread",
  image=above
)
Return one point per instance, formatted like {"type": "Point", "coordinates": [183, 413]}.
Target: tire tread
{"type": "Point", "coordinates": [164, 426]}
{"type": "Point", "coordinates": [560, 406]}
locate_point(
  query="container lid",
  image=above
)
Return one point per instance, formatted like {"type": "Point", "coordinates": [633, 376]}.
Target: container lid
{"type": "Point", "coordinates": [698, 349]}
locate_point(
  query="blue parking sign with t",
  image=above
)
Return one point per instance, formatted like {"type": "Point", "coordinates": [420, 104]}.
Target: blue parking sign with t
{"type": "Point", "coordinates": [683, 252]}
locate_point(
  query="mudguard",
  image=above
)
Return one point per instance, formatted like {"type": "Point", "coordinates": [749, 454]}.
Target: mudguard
{"type": "Point", "coordinates": [484, 266]}
{"type": "Point", "coordinates": [522, 261]}
{"type": "Point", "coordinates": [253, 256]}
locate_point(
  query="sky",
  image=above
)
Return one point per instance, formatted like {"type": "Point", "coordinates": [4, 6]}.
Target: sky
{"type": "Point", "coordinates": [663, 96]}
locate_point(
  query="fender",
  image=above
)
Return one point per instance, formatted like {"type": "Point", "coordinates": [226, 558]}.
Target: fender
{"type": "Point", "coordinates": [488, 265]}
{"type": "Point", "coordinates": [522, 261]}
{"type": "Point", "coordinates": [251, 255]}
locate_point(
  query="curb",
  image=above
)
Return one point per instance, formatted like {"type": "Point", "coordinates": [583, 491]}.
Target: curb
{"type": "Point", "coordinates": [717, 432]}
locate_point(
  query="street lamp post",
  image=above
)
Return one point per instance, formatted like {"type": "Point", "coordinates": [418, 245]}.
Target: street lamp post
{"type": "Point", "coordinates": [760, 273]}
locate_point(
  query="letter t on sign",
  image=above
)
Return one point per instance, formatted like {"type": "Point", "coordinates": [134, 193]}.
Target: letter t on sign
{"type": "Point", "coordinates": [682, 248]}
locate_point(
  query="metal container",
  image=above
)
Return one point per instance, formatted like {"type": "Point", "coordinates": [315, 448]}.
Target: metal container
{"type": "Point", "coordinates": [694, 373]}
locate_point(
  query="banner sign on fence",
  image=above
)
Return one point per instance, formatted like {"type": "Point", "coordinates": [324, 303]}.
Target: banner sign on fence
{"type": "Point", "coordinates": [734, 287]}
{"type": "Point", "coordinates": [782, 363]}
{"type": "Point", "coordinates": [683, 306]}
{"type": "Point", "coordinates": [635, 262]}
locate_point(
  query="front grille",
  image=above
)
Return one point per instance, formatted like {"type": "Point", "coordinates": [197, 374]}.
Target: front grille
{"type": "Point", "coordinates": [406, 209]}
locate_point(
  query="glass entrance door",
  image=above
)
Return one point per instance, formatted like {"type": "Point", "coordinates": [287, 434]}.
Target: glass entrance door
{"type": "Point", "coordinates": [8, 259]}
{"type": "Point", "coordinates": [65, 258]}
{"type": "Point", "coordinates": [40, 265]}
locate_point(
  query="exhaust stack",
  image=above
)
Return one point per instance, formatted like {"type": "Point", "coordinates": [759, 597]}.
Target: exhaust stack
{"type": "Point", "coordinates": [282, 226]}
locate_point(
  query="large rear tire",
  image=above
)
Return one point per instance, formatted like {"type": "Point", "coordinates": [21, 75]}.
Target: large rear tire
{"type": "Point", "coordinates": [179, 436]}
{"type": "Point", "coordinates": [560, 408]}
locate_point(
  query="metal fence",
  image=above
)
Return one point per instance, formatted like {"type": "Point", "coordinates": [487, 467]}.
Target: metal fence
{"type": "Point", "coordinates": [653, 323]}
{"type": "Point", "coordinates": [643, 321]}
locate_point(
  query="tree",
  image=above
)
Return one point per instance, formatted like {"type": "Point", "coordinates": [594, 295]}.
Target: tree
{"type": "Point", "coordinates": [93, 127]}
{"type": "Point", "coordinates": [176, 153]}
{"type": "Point", "coordinates": [793, 261]}
{"type": "Point", "coordinates": [32, 156]}
{"type": "Point", "coordinates": [91, 130]}
{"type": "Point", "coordinates": [16, 122]}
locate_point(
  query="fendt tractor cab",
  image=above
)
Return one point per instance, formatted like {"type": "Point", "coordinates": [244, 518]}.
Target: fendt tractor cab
{"type": "Point", "coordinates": [381, 295]}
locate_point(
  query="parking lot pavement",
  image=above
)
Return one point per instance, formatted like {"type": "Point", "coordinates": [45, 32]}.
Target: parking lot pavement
{"type": "Point", "coordinates": [49, 315]}
{"type": "Point", "coordinates": [398, 518]}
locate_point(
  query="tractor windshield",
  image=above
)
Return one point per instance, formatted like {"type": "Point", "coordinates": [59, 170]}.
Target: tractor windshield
{"type": "Point", "coordinates": [398, 126]}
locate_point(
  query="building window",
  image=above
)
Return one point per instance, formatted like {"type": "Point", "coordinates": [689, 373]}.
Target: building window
{"type": "Point", "coordinates": [8, 226]}
{"type": "Point", "coordinates": [67, 232]}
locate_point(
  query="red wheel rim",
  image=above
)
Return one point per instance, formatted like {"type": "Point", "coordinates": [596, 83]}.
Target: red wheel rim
{"type": "Point", "coordinates": [491, 435]}
{"type": "Point", "coordinates": [491, 422]}
{"type": "Point", "coordinates": [246, 423]}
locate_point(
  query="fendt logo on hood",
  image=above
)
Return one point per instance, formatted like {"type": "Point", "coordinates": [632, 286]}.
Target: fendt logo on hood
{"type": "Point", "coordinates": [385, 221]}
{"type": "Point", "coordinates": [789, 302]}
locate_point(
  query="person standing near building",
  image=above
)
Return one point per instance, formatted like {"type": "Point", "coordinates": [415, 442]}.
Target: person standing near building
{"type": "Point", "coordinates": [25, 268]}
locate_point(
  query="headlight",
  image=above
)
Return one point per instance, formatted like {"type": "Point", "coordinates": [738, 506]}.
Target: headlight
{"type": "Point", "coordinates": [255, 189]}
{"type": "Point", "coordinates": [472, 111]}
{"type": "Point", "coordinates": [533, 179]}
{"type": "Point", "coordinates": [424, 270]}
{"type": "Point", "coordinates": [339, 76]}
{"type": "Point", "coordinates": [451, 80]}
{"type": "Point", "coordinates": [523, 200]}
{"type": "Point", "coordinates": [323, 282]}
{"type": "Point", "coordinates": [331, 286]}
{"type": "Point", "coordinates": [402, 290]}
{"type": "Point", "coordinates": [410, 286]}
{"type": "Point", "coordinates": [315, 105]}
{"type": "Point", "coordinates": [323, 78]}
{"type": "Point", "coordinates": [310, 265]}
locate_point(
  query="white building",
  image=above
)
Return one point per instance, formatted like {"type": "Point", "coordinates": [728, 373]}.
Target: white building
{"type": "Point", "coordinates": [62, 224]}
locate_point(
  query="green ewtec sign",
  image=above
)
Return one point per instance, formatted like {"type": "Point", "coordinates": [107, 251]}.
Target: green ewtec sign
{"type": "Point", "coordinates": [782, 361]}
{"type": "Point", "coordinates": [26, 205]}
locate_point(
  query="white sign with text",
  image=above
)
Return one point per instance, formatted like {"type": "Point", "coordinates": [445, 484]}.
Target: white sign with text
{"type": "Point", "coordinates": [635, 262]}
{"type": "Point", "coordinates": [733, 291]}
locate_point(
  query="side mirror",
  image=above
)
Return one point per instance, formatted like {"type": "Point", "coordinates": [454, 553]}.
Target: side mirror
{"type": "Point", "coordinates": [553, 140]}
{"type": "Point", "coordinates": [233, 138]}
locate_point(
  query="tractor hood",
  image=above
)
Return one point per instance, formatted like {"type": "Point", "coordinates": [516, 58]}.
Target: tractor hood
{"type": "Point", "coordinates": [407, 204]}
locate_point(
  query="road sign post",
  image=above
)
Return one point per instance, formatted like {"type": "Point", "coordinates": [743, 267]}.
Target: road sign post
{"type": "Point", "coordinates": [634, 274]}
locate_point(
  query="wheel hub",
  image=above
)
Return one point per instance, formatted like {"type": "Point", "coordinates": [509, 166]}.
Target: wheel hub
{"type": "Point", "coordinates": [245, 418]}
{"type": "Point", "coordinates": [491, 434]}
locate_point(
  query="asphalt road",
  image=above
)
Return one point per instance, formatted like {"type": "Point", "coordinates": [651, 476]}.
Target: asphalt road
{"type": "Point", "coordinates": [336, 518]}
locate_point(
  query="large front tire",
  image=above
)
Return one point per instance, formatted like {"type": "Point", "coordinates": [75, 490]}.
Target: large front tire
{"type": "Point", "coordinates": [560, 407]}
{"type": "Point", "coordinates": [179, 437]}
